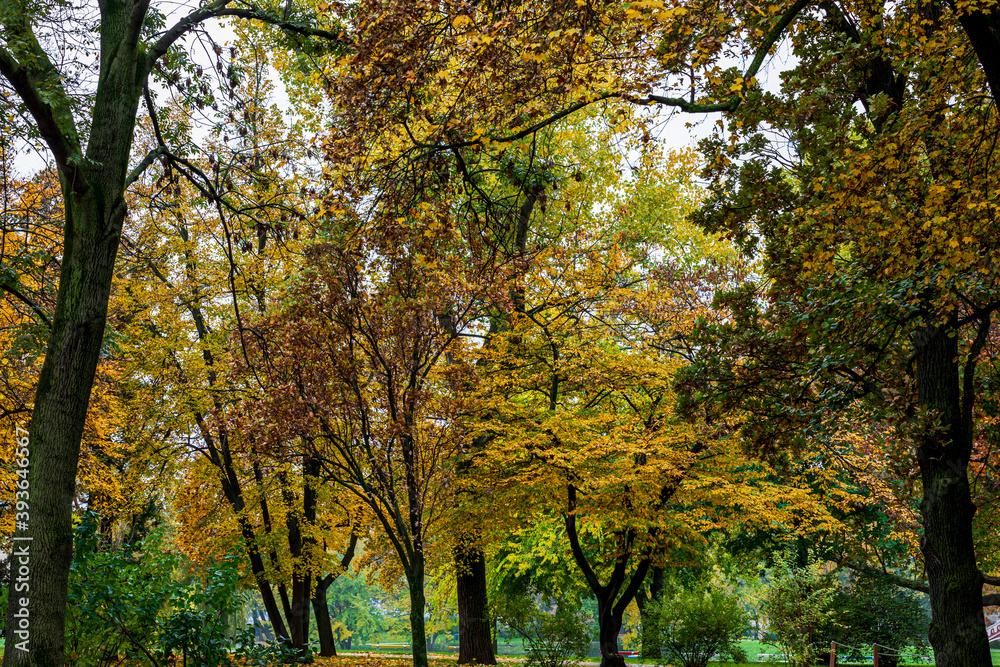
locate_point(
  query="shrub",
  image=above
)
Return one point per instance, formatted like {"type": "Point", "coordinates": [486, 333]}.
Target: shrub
{"type": "Point", "coordinates": [553, 637]}
{"type": "Point", "coordinates": [871, 610]}
{"type": "Point", "coordinates": [797, 604]}
{"type": "Point", "coordinates": [694, 626]}
{"type": "Point", "coordinates": [125, 606]}
{"type": "Point", "coordinates": [115, 598]}
{"type": "Point", "coordinates": [198, 627]}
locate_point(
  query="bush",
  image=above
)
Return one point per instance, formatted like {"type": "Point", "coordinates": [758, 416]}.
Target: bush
{"type": "Point", "coordinates": [125, 605]}
{"type": "Point", "coordinates": [115, 598]}
{"type": "Point", "coordinates": [797, 604]}
{"type": "Point", "coordinates": [694, 626]}
{"type": "Point", "coordinates": [552, 638]}
{"type": "Point", "coordinates": [871, 610]}
{"type": "Point", "coordinates": [198, 628]}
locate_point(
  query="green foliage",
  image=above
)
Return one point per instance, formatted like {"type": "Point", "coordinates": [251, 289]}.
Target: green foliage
{"type": "Point", "coordinates": [797, 605]}
{"type": "Point", "coordinates": [198, 627]}
{"type": "Point", "coordinates": [871, 610]}
{"type": "Point", "coordinates": [552, 636]}
{"type": "Point", "coordinates": [356, 610]}
{"type": "Point", "coordinates": [115, 597]}
{"type": "Point", "coordinates": [695, 625]}
{"type": "Point", "coordinates": [125, 603]}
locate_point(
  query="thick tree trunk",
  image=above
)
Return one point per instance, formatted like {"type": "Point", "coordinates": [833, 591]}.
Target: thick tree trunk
{"type": "Point", "coordinates": [44, 532]}
{"type": "Point", "coordinates": [983, 30]}
{"type": "Point", "coordinates": [609, 624]}
{"type": "Point", "coordinates": [957, 630]}
{"type": "Point", "coordinates": [324, 628]}
{"type": "Point", "coordinates": [475, 644]}
{"type": "Point", "coordinates": [418, 633]}
{"type": "Point", "coordinates": [649, 615]}
{"type": "Point", "coordinates": [93, 195]}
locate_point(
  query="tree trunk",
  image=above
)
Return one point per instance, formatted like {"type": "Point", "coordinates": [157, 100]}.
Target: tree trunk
{"type": "Point", "coordinates": [93, 188]}
{"type": "Point", "coordinates": [233, 492]}
{"type": "Point", "coordinates": [324, 628]}
{"type": "Point", "coordinates": [649, 615]}
{"type": "Point", "coordinates": [958, 629]}
{"type": "Point", "coordinates": [475, 645]}
{"type": "Point", "coordinates": [614, 597]}
{"type": "Point", "coordinates": [43, 548]}
{"type": "Point", "coordinates": [983, 30]}
{"type": "Point", "coordinates": [418, 634]}
{"type": "Point", "coordinates": [298, 609]}
{"type": "Point", "coordinates": [609, 624]}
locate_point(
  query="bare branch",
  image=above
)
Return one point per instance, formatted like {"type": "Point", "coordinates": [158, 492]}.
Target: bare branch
{"type": "Point", "coordinates": [145, 164]}
{"type": "Point", "coordinates": [221, 9]}
{"type": "Point", "coordinates": [200, 15]}
{"type": "Point", "coordinates": [902, 582]}
{"type": "Point", "coordinates": [287, 26]}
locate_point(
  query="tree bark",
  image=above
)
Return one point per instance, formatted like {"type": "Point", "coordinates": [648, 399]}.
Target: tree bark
{"type": "Point", "coordinates": [93, 194]}
{"type": "Point", "coordinates": [324, 628]}
{"type": "Point", "coordinates": [44, 540]}
{"type": "Point", "coordinates": [983, 31]}
{"type": "Point", "coordinates": [418, 632]}
{"type": "Point", "coordinates": [957, 629]}
{"type": "Point", "coordinates": [298, 609]}
{"type": "Point", "coordinates": [475, 644]}
{"type": "Point", "coordinates": [648, 615]}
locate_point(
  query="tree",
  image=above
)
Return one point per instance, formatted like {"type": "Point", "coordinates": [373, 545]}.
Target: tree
{"type": "Point", "coordinates": [88, 132]}
{"type": "Point", "coordinates": [195, 272]}
{"type": "Point", "coordinates": [355, 367]}
{"type": "Point", "coordinates": [575, 389]}
{"type": "Point", "coordinates": [869, 230]}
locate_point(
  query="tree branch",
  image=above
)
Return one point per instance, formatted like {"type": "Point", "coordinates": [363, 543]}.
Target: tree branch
{"type": "Point", "coordinates": [220, 9]}
{"type": "Point", "coordinates": [574, 541]}
{"type": "Point", "coordinates": [142, 166]}
{"type": "Point", "coordinates": [287, 26]}
{"type": "Point", "coordinates": [633, 586]}
{"type": "Point", "coordinates": [902, 582]}
{"type": "Point", "coordinates": [178, 30]}
{"type": "Point", "coordinates": [10, 289]}
{"type": "Point", "coordinates": [63, 150]}
{"type": "Point", "coordinates": [770, 39]}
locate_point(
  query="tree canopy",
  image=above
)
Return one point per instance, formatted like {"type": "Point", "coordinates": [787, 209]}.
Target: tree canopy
{"type": "Point", "coordinates": [413, 293]}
